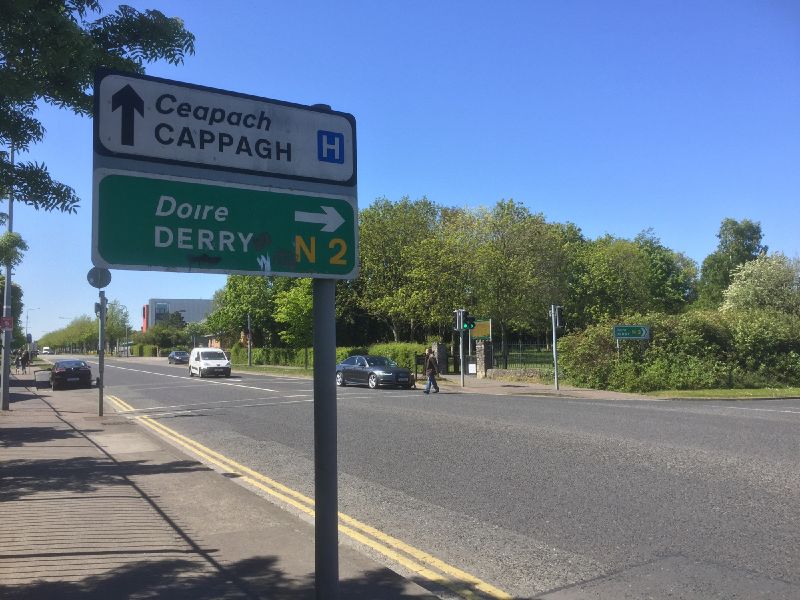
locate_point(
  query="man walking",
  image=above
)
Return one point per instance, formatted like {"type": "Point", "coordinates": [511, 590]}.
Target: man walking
{"type": "Point", "coordinates": [431, 370]}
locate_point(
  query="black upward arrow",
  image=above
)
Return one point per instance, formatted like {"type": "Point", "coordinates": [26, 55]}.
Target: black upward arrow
{"type": "Point", "coordinates": [129, 100]}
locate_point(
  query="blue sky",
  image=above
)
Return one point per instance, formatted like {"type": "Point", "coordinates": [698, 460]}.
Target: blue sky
{"type": "Point", "coordinates": [616, 116]}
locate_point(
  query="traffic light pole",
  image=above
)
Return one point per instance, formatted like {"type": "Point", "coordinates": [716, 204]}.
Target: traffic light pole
{"type": "Point", "coordinates": [461, 355]}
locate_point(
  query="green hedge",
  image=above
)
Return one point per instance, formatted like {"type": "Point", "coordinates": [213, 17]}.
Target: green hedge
{"type": "Point", "coordinates": [142, 350]}
{"type": "Point", "coordinates": [695, 350]}
{"type": "Point", "coordinates": [402, 353]}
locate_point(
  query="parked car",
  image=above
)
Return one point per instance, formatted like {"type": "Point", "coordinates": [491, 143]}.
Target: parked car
{"type": "Point", "coordinates": [178, 357]}
{"type": "Point", "coordinates": [373, 371]}
{"type": "Point", "coordinates": [208, 361]}
{"type": "Point", "coordinates": [70, 373]}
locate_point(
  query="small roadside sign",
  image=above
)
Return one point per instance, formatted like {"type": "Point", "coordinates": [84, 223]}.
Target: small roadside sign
{"type": "Point", "coordinates": [482, 330]}
{"type": "Point", "coordinates": [6, 323]}
{"type": "Point", "coordinates": [632, 332]}
{"type": "Point", "coordinates": [159, 120]}
{"type": "Point", "coordinates": [98, 277]}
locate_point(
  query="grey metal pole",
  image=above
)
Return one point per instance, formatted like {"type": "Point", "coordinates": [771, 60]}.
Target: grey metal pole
{"type": "Point", "coordinates": [101, 351]}
{"type": "Point", "coordinates": [461, 355]}
{"type": "Point", "coordinates": [555, 349]}
{"type": "Point", "coordinates": [249, 343]}
{"type": "Point", "coordinates": [326, 518]}
{"type": "Point", "coordinates": [6, 362]}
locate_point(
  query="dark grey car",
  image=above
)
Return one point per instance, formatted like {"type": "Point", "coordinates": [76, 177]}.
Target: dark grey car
{"type": "Point", "coordinates": [178, 357]}
{"type": "Point", "coordinates": [373, 371]}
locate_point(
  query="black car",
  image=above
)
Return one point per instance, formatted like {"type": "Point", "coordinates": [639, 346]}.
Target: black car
{"type": "Point", "coordinates": [70, 373]}
{"type": "Point", "coordinates": [178, 357]}
{"type": "Point", "coordinates": [373, 371]}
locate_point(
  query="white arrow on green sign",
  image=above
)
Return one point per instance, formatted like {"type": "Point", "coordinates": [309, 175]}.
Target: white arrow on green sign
{"type": "Point", "coordinates": [164, 223]}
{"type": "Point", "coordinates": [632, 332]}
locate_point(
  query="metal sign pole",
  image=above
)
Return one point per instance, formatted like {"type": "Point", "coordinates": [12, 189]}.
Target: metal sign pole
{"type": "Point", "coordinates": [555, 349]}
{"type": "Point", "coordinates": [249, 343]}
{"type": "Point", "coordinates": [101, 352]}
{"type": "Point", "coordinates": [326, 519]}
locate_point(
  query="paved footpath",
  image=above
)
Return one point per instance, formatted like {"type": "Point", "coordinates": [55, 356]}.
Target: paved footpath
{"type": "Point", "coordinates": [97, 508]}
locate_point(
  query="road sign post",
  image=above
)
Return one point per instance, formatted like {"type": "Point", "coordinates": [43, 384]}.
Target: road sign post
{"type": "Point", "coordinates": [194, 179]}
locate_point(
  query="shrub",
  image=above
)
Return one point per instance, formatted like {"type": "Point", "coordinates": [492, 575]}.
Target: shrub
{"type": "Point", "coordinates": [695, 350]}
{"type": "Point", "coordinates": [401, 352]}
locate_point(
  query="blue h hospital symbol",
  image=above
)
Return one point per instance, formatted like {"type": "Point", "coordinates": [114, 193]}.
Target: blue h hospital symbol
{"type": "Point", "coordinates": [330, 146]}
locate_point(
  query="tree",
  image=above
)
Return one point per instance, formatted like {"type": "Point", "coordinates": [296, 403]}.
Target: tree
{"type": "Point", "coordinates": [117, 322]}
{"type": "Point", "coordinates": [80, 334]}
{"type": "Point", "coordinates": [515, 266]}
{"type": "Point", "coordinates": [672, 276]}
{"type": "Point", "coordinates": [441, 271]}
{"type": "Point", "coordinates": [739, 242]}
{"type": "Point", "coordinates": [765, 283]}
{"type": "Point", "coordinates": [165, 336]}
{"type": "Point", "coordinates": [612, 278]}
{"type": "Point", "coordinates": [390, 235]}
{"type": "Point", "coordinates": [294, 311]}
{"type": "Point", "coordinates": [195, 331]}
{"type": "Point", "coordinates": [49, 52]}
{"type": "Point", "coordinates": [174, 320]}
{"type": "Point", "coordinates": [243, 295]}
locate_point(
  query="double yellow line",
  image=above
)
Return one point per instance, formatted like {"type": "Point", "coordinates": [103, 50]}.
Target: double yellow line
{"type": "Point", "coordinates": [423, 564]}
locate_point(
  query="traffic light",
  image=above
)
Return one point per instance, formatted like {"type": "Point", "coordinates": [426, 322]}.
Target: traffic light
{"type": "Point", "coordinates": [468, 321]}
{"type": "Point", "coordinates": [457, 320]}
{"type": "Point", "coordinates": [559, 316]}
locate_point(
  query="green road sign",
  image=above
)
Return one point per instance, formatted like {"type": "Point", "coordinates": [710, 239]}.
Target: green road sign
{"type": "Point", "coordinates": [631, 332]}
{"type": "Point", "coordinates": [164, 223]}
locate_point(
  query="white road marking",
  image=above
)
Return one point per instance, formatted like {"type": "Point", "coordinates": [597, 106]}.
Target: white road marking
{"type": "Point", "coordinates": [205, 409]}
{"type": "Point", "coordinates": [199, 380]}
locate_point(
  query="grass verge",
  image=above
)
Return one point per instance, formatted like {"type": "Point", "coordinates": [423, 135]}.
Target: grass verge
{"type": "Point", "coordinates": [736, 394]}
{"type": "Point", "coordinates": [276, 370]}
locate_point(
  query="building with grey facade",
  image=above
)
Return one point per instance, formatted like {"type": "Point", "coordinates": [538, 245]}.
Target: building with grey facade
{"type": "Point", "coordinates": [159, 309]}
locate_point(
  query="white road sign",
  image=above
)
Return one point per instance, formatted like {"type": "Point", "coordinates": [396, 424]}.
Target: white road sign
{"type": "Point", "coordinates": [147, 118]}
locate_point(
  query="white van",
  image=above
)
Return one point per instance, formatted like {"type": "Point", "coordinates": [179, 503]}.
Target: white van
{"type": "Point", "coordinates": [46, 350]}
{"type": "Point", "coordinates": [208, 361]}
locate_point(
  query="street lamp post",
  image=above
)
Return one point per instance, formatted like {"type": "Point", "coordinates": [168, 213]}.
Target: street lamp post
{"type": "Point", "coordinates": [6, 360]}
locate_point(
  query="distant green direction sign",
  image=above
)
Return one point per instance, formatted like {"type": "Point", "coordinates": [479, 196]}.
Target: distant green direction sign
{"type": "Point", "coordinates": [163, 223]}
{"type": "Point", "coordinates": [631, 332]}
